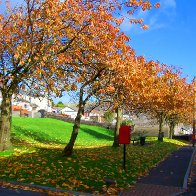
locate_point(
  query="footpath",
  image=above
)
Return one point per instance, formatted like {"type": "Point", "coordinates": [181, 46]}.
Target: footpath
{"type": "Point", "coordinates": [175, 176]}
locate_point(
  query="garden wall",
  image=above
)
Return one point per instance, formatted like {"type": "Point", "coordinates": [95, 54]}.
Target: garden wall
{"type": "Point", "coordinates": [71, 120]}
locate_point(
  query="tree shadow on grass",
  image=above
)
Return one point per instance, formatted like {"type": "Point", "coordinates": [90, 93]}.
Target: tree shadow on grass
{"type": "Point", "coordinates": [51, 161]}
{"type": "Point", "coordinates": [96, 134]}
{"type": "Point", "coordinates": [36, 136]}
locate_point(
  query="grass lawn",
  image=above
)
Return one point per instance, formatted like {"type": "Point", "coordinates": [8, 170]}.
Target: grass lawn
{"type": "Point", "coordinates": [37, 159]}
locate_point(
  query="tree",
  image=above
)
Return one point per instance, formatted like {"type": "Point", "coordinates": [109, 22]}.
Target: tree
{"type": "Point", "coordinates": [94, 65]}
{"type": "Point", "coordinates": [133, 86]}
{"type": "Point", "coordinates": [99, 55]}
{"type": "Point", "coordinates": [30, 39]}
{"type": "Point", "coordinates": [52, 102]}
{"type": "Point", "coordinates": [60, 104]}
{"type": "Point", "coordinates": [117, 127]}
{"type": "Point", "coordinates": [169, 99]}
{"type": "Point", "coordinates": [172, 120]}
{"type": "Point", "coordinates": [17, 60]}
{"type": "Point", "coordinates": [179, 101]}
{"type": "Point", "coordinates": [109, 116]}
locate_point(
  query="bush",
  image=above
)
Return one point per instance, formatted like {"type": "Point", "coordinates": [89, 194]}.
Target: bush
{"type": "Point", "coordinates": [127, 122]}
{"type": "Point", "coordinates": [109, 116]}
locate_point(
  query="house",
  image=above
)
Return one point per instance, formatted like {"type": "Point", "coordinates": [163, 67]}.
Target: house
{"type": "Point", "coordinates": [182, 129]}
{"type": "Point", "coordinates": [33, 103]}
{"type": "Point", "coordinates": [96, 115]}
{"type": "Point", "coordinates": [71, 110]}
{"type": "Point", "coordinates": [68, 111]}
{"type": "Point", "coordinates": [19, 110]}
{"type": "Point", "coordinates": [56, 110]}
{"type": "Point", "coordinates": [29, 106]}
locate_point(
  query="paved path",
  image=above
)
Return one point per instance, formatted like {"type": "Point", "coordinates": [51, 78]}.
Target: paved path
{"type": "Point", "coordinates": [191, 186]}
{"type": "Point", "coordinates": [192, 177]}
{"type": "Point", "coordinates": [165, 179]}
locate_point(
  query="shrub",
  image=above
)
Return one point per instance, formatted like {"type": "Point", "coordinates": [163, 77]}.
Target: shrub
{"type": "Point", "coordinates": [127, 122]}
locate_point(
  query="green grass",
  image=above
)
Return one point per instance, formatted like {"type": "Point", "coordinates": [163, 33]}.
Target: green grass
{"type": "Point", "coordinates": [37, 158]}
{"type": "Point", "coordinates": [51, 131]}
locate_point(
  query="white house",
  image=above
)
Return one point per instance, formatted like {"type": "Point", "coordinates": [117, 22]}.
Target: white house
{"type": "Point", "coordinates": [96, 115]}
{"type": "Point", "coordinates": [181, 129]}
{"type": "Point", "coordinates": [31, 104]}
{"type": "Point", "coordinates": [69, 112]}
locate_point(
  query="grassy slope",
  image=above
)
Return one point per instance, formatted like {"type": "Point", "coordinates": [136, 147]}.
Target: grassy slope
{"type": "Point", "coordinates": [41, 162]}
{"type": "Point", "coordinates": [58, 132]}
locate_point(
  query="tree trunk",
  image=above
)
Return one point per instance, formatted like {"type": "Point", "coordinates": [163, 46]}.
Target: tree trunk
{"type": "Point", "coordinates": [68, 150]}
{"type": "Point", "coordinates": [116, 131]}
{"type": "Point", "coordinates": [171, 130]}
{"type": "Point", "coordinates": [161, 120]}
{"type": "Point", "coordinates": [5, 122]}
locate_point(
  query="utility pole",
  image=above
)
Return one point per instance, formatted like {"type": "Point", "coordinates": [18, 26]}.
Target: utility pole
{"type": "Point", "coordinates": [194, 110]}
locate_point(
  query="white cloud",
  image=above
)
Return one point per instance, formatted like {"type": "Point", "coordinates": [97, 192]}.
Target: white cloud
{"type": "Point", "coordinates": [142, 14]}
{"type": "Point", "coordinates": [168, 4]}
{"type": "Point", "coordinates": [168, 9]}
{"type": "Point", "coordinates": [164, 15]}
{"type": "Point", "coordinates": [126, 26]}
{"type": "Point", "coordinates": [154, 23]}
{"type": "Point", "coordinates": [155, 19]}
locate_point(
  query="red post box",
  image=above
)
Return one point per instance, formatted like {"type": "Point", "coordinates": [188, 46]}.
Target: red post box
{"type": "Point", "coordinates": [124, 134]}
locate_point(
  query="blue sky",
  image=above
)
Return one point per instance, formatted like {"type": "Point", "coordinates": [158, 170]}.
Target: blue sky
{"type": "Point", "coordinates": [171, 38]}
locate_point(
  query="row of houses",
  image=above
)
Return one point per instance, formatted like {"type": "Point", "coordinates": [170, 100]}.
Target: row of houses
{"type": "Point", "coordinates": [25, 105]}
{"type": "Point", "coordinates": [70, 110]}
